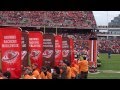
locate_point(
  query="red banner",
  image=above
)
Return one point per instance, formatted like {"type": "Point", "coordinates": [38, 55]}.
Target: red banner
{"type": "Point", "coordinates": [0, 39]}
{"type": "Point", "coordinates": [36, 47]}
{"type": "Point", "coordinates": [72, 49]}
{"type": "Point", "coordinates": [95, 53]}
{"type": "Point", "coordinates": [66, 48]}
{"type": "Point", "coordinates": [25, 43]}
{"type": "Point", "coordinates": [58, 49]}
{"type": "Point", "coordinates": [48, 50]}
{"type": "Point", "coordinates": [11, 51]}
{"type": "Point", "coordinates": [0, 48]}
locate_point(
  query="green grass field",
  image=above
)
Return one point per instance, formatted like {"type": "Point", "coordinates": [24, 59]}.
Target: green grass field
{"type": "Point", "coordinates": [110, 68]}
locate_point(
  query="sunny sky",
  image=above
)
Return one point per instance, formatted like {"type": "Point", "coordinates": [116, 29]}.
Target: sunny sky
{"type": "Point", "coordinates": [101, 16]}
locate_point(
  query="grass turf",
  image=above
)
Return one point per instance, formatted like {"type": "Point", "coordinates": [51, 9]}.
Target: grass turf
{"type": "Point", "coordinates": [108, 64]}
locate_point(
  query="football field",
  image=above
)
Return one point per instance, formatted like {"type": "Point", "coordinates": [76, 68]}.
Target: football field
{"type": "Point", "coordinates": [110, 68]}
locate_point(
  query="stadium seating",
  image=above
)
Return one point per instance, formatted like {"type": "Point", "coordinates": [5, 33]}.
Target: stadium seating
{"type": "Point", "coordinates": [113, 45]}
{"type": "Point", "coordinates": [78, 19]}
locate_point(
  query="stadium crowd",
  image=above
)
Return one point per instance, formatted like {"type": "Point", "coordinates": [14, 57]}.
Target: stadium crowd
{"type": "Point", "coordinates": [112, 45]}
{"type": "Point", "coordinates": [80, 19]}
{"type": "Point", "coordinates": [78, 69]}
{"type": "Point", "coordinates": [81, 43]}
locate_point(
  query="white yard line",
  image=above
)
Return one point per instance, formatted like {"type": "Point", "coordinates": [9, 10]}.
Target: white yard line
{"type": "Point", "coordinates": [106, 71]}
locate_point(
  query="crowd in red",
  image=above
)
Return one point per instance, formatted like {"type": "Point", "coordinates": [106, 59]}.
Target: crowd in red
{"type": "Point", "coordinates": [81, 43]}
{"type": "Point", "coordinates": [112, 45]}
{"type": "Point", "coordinates": [80, 19]}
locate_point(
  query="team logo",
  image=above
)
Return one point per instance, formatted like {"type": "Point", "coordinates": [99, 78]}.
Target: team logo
{"type": "Point", "coordinates": [47, 53]}
{"type": "Point", "coordinates": [57, 53]}
{"type": "Point", "coordinates": [65, 53]}
{"type": "Point", "coordinates": [24, 53]}
{"type": "Point", "coordinates": [10, 56]}
{"type": "Point", "coordinates": [35, 54]}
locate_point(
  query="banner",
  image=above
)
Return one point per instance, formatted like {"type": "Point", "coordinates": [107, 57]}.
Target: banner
{"type": "Point", "coordinates": [66, 48]}
{"type": "Point", "coordinates": [95, 53]}
{"type": "Point", "coordinates": [0, 48]}
{"type": "Point", "coordinates": [36, 47]}
{"type": "Point", "coordinates": [25, 44]}
{"type": "Point", "coordinates": [11, 51]}
{"type": "Point", "coordinates": [48, 50]}
{"type": "Point", "coordinates": [72, 49]}
{"type": "Point", "coordinates": [58, 49]}
{"type": "Point", "coordinates": [91, 53]}
{"type": "Point", "coordinates": [0, 39]}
